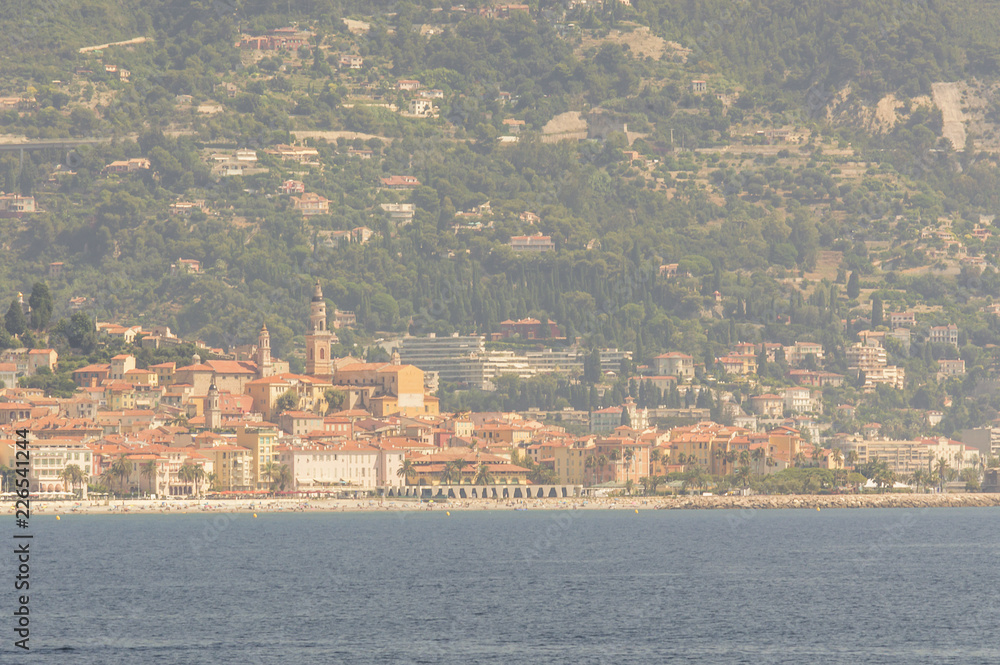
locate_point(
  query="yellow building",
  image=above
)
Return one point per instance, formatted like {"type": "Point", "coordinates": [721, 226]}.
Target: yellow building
{"type": "Point", "coordinates": [388, 389]}
{"type": "Point", "coordinates": [311, 393]}
{"type": "Point", "coordinates": [234, 467]}
{"type": "Point", "coordinates": [261, 439]}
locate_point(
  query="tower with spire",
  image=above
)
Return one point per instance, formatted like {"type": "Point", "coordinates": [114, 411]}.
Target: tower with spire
{"type": "Point", "coordinates": [263, 356]}
{"type": "Point", "coordinates": [212, 408]}
{"type": "Point", "coordinates": [318, 337]}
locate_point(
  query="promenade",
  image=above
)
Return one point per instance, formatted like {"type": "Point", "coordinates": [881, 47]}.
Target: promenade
{"type": "Point", "coordinates": [757, 502]}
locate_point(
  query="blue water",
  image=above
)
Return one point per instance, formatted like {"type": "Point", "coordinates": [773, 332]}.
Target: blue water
{"type": "Point", "coordinates": [837, 586]}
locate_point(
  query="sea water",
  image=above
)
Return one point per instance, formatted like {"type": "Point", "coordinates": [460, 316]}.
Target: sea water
{"type": "Point", "coordinates": [553, 586]}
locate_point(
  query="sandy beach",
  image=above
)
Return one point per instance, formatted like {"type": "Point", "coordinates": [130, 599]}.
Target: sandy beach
{"type": "Point", "coordinates": [757, 502]}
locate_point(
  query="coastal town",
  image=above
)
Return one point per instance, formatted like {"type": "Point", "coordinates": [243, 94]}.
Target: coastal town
{"type": "Point", "coordinates": [239, 423]}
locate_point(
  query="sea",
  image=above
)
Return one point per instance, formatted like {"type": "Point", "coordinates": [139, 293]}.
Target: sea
{"type": "Point", "coordinates": [511, 586]}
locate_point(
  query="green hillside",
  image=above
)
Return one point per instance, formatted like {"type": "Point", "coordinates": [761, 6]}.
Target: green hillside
{"type": "Point", "coordinates": [817, 149]}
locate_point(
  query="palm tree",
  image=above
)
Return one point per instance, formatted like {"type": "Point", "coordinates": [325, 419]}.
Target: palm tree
{"type": "Point", "coordinates": [406, 471]}
{"type": "Point", "coordinates": [187, 473]}
{"type": "Point", "coordinates": [199, 477]}
{"type": "Point", "coordinates": [483, 475]}
{"type": "Point", "coordinates": [800, 459]}
{"type": "Point", "coordinates": [7, 476]}
{"type": "Point", "coordinates": [602, 461]}
{"type": "Point", "coordinates": [120, 470]}
{"type": "Point", "coordinates": [731, 457]}
{"type": "Point", "coordinates": [614, 456]}
{"type": "Point", "coordinates": [942, 472]}
{"type": "Point", "coordinates": [589, 464]}
{"type": "Point", "coordinates": [283, 478]}
{"type": "Point", "coordinates": [213, 479]}
{"type": "Point", "coordinates": [628, 486]}
{"type": "Point", "coordinates": [655, 456]}
{"type": "Point", "coordinates": [447, 474]}
{"type": "Point", "coordinates": [743, 475]}
{"type": "Point", "coordinates": [268, 471]}
{"type": "Point", "coordinates": [72, 475]}
{"type": "Point", "coordinates": [758, 456]}
{"type": "Point", "coordinates": [148, 471]}
{"type": "Point", "coordinates": [852, 459]}
{"type": "Point", "coordinates": [838, 457]}
{"type": "Point", "coordinates": [460, 465]}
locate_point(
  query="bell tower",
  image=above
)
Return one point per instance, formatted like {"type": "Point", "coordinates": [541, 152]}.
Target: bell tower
{"type": "Point", "coordinates": [264, 367]}
{"type": "Point", "coordinates": [212, 408]}
{"type": "Point", "coordinates": [318, 337]}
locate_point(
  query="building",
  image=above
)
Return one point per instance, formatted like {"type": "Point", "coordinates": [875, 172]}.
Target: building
{"type": "Point", "coordinates": [902, 320]}
{"type": "Point", "coordinates": [349, 61]}
{"type": "Point", "coordinates": [535, 243]}
{"type": "Point", "coordinates": [301, 154]}
{"type": "Point", "coordinates": [311, 203]}
{"type": "Point", "coordinates": [128, 166]}
{"type": "Point", "coordinates": [528, 328]}
{"type": "Point", "coordinates": [944, 334]}
{"type": "Point", "coordinates": [49, 457]}
{"type": "Point", "coordinates": [318, 337]}
{"type": "Point", "coordinates": [292, 187]}
{"type": "Point", "coordinates": [13, 205]}
{"type": "Point", "coordinates": [697, 85]}
{"type": "Point", "coordinates": [768, 405]}
{"type": "Point", "coordinates": [261, 439]}
{"type": "Point", "coordinates": [233, 467]}
{"type": "Point", "coordinates": [420, 107]}
{"type": "Point", "coordinates": [400, 182]}
{"type": "Point", "coordinates": [399, 214]}
{"type": "Point", "coordinates": [675, 364]}
{"type": "Point", "coordinates": [385, 388]}
{"type": "Point", "coordinates": [949, 367]}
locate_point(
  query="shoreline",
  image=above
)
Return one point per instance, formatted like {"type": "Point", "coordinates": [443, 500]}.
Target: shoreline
{"type": "Point", "coordinates": [755, 502]}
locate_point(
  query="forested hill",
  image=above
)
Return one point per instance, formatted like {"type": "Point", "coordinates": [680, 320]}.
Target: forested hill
{"type": "Point", "coordinates": [768, 148]}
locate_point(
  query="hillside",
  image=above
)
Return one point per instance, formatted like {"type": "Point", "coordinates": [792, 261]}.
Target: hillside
{"type": "Point", "coordinates": [768, 148]}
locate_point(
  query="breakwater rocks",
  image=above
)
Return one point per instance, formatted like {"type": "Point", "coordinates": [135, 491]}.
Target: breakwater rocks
{"type": "Point", "coordinates": [831, 501]}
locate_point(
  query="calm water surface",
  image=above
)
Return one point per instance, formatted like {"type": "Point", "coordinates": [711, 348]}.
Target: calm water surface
{"type": "Point", "coordinates": [783, 586]}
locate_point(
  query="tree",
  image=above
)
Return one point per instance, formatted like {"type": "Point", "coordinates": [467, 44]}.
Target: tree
{"type": "Point", "coordinates": [877, 314]}
{"type": "Point", "coordinates": [41, 305]}
{"type": "Point", "coordinates": [406, 471]}
{"type": "Point", "coordinates": [334, 399]}
{"type": "Point", "coordinates": [592, 367]}
{"type": "Point", "coordinates": [148, 471]}
{"type": "Point", "coordinates": [15, 321]}
{"type": "Point", "coordinates": [268, 471]}
{"type": "Point", "coordinates": [853, 286]}
{"type": "Point", "coordinates": [283, 478]}
{"type": "Point", "coordinates": [971, 478]}
{"type": "Point", "coordinates": [73, 475]}
{"type": "Point", "coordinates": [189, 473]}
{"type": "Point", "coordinates": [287, 402]}
{"type": "Point", "coordinates": [120, 470]}
{"type": "Point", "coordinates": [460, 465]}
{"type": "Point", "coordinates": [447, 476]}
{"type": "Point", "coordinates": [483, 475]}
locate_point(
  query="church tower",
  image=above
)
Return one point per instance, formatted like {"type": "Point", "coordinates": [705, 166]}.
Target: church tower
{"type": "Point", "coordinates": [318, 337]}
{"type": "Point", "coordinates": [212, 408]}
{"type": "Point", "coordinates": [263, 357]}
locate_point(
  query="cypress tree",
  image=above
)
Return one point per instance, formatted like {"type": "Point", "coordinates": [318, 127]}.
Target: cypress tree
{"type": "Point", "coordinates": [15, 321]}
{"type": "Point", "coordinates": [853, 286]}
{"type": "Point", "coordinates": [41, 305]}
